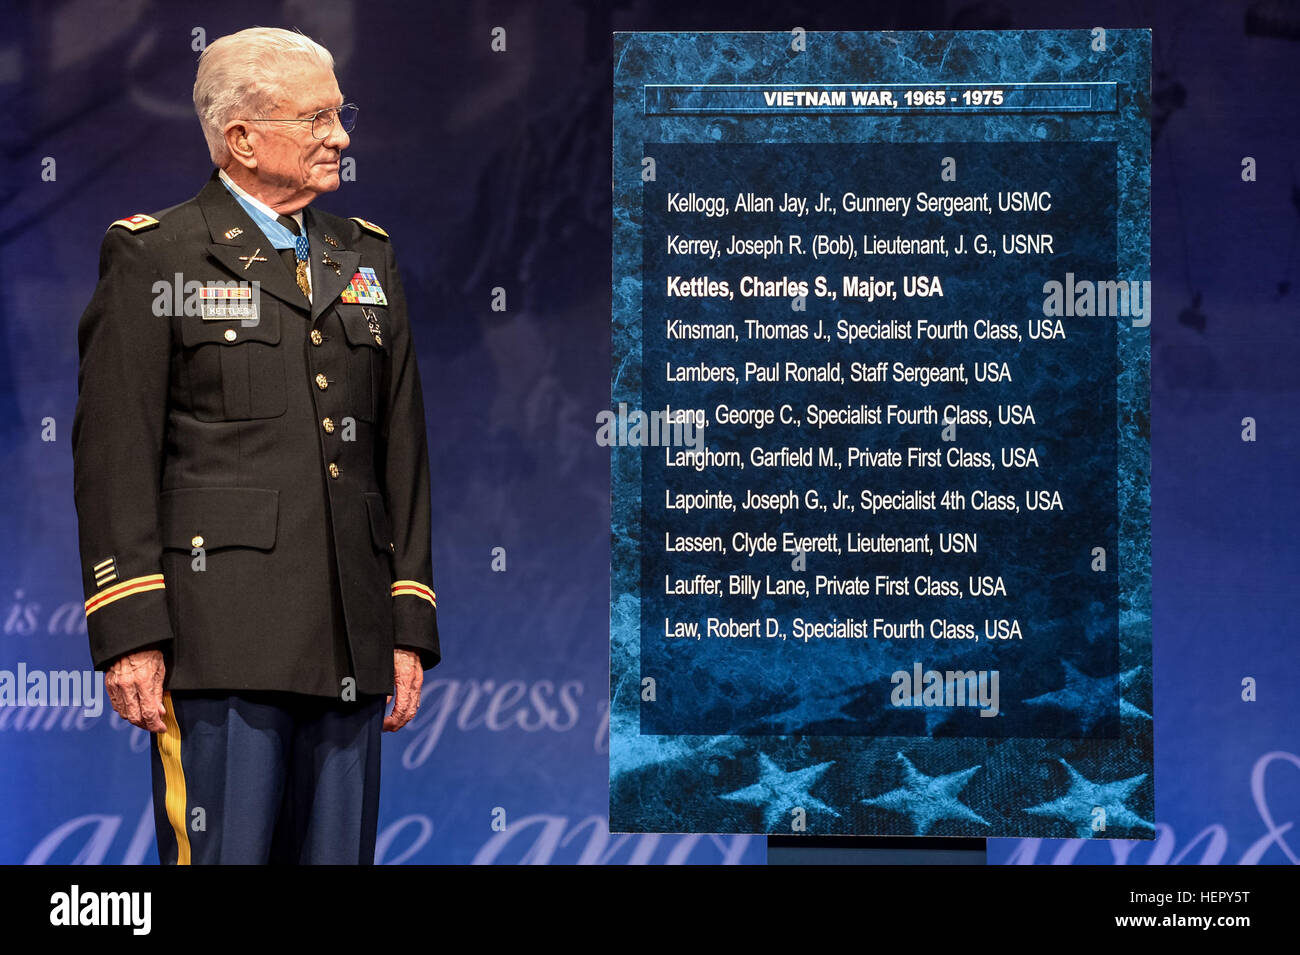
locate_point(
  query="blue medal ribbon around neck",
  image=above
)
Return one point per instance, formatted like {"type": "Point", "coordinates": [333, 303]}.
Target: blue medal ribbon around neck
{"type": "Point", "coordinates": [279, 236]}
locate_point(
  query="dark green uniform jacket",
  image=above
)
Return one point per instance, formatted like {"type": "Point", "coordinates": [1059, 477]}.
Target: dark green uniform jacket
{"type": "Point", "coordinates": [252, 490]}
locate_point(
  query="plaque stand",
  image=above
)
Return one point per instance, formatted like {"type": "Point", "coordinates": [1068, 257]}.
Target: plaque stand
{"type": "Point", "coordinates": [875, 850]}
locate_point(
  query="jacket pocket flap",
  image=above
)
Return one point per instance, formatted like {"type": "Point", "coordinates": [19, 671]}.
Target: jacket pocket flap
{"type": "Point", "coordinates": [381, 529]}
{"type": "Point", "coordinates": [231, 331]}
{"type": "Point", "coordinates": [220, 517]}
{"type": "Point", "coordinates": [356, 324]}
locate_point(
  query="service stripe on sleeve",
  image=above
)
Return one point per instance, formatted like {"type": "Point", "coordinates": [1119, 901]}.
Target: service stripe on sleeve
{"type": "Point", "coordinates": [136, 585]}
{"type": "Point", "coordinates": [415, 589]}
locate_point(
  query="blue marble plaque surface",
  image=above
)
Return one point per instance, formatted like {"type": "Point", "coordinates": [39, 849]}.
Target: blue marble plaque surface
{"type": "Point", "coordinates": [899, 581]}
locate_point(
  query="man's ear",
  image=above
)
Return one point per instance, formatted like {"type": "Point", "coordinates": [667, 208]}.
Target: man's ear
{"type": "Point", "coordinates": [238, 144]}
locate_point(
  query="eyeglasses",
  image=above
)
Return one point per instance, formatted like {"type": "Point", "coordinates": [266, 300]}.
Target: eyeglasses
{"type": "Point", "coordinates": [322, 121]}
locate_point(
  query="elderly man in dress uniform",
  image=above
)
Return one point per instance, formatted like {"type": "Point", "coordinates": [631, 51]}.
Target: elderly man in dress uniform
{"type": "Point", "coordinates": [252, 479]}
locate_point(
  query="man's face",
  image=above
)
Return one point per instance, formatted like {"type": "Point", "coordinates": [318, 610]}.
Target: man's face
{"type": "Point", "coordinates": [292, 165]}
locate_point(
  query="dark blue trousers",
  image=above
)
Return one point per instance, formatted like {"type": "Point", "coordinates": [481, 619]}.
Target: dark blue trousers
{"type": "Point", "coordinates": [258, 778]}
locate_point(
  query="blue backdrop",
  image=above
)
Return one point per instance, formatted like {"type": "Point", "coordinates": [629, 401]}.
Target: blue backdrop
{"type": "Point", "coordinates": [493, 169]}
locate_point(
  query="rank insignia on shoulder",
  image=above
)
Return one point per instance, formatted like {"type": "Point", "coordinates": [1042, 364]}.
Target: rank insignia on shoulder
{"type": "Point", "coordinates": [369, 226]}
{"type": "Point", "coordinates": [136, 222]}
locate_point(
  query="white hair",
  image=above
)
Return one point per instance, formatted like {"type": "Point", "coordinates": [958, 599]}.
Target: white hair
{"type": "Point", "coordinates": [243, 73]}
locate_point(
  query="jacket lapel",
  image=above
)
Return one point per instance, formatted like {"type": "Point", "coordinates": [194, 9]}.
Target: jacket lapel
{"type": "Point", "coordinates": [243, 252]}
{"type": "Point", "coordinates": [326, 281]}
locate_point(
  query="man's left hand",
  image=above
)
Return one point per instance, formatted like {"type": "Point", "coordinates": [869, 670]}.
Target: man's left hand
{"type": "Point", "coordinates": [408, 678]}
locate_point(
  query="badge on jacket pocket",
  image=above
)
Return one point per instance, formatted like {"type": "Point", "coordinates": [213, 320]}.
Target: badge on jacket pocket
{"type": "Point", "coordinates": [364, 289]}
{"type": "Point", "coordinates": [226, 301]}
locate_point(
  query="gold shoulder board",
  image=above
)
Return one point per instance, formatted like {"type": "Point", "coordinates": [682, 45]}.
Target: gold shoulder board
{"type": "Point", "coordinates": [369, 226]}
{"type": "Point", "coordinates": [136, 222]}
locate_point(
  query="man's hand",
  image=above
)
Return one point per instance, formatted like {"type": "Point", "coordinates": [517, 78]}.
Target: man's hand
{"type": "Point", "coordinates": [409, 677]}
{"type": "Point", "coordinates": [135, 688]}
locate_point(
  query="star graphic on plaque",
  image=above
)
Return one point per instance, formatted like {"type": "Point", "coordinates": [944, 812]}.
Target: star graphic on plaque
{"type": "Point", "coordinates": [634, 752]}
{"type": "Point", "coordinates": [1089, 698]}
{"type": "Point", "coordinates": [1099, 626]}
{"type": "Point", "coordinates": [631, 752]}
{"type": "Point", "coordinates": [808, 711]}
{"type": "Point", "coordinates": [1084, 796]}
{"type": "Point", "coordinates": [1126, 709]}
{"type": "Point", "coordinates": [928, 799]}
{"type": "Point", "coordinates": [1130, 712]}
{"type": "Point", "coordinates": [778, 791]}
{"type": "Point", "coordinates": [934, 714]}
